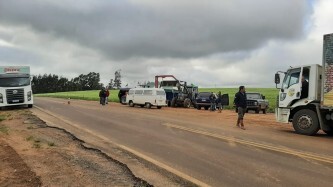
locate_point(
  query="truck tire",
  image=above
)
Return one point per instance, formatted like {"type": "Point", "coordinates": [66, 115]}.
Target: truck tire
{"type": "Point", "coordinates": [198, 107]}
{"type": "Point", "coordinates": [159, 107]}
{"type": "Point", "coordinates": [30, 106]}
{"type": "Point", "coordinates": [264, 111]}
{"type": "Point", "coordinates": [173, 102]}
{"type": "Point", "coordinates": [258, 110]}
{"type": "Point", "coordinates": [187, 103]}
{"type": "Point", "coordinates": [306, 122]}
{"type": "Point", "coordinates": [206, 107]}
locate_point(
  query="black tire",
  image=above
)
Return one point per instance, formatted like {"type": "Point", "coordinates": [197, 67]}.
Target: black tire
{"type": "Point", "coordinates": [173, 102]}
{"type": "Point", "coordinates": [148, 105]}
{"type": "Point", "coordinates": [258, 110]}
{"type": "Point", "coordinates": [131, 104]}
{"type": "Point", "coordinates": [30, 106]}
{"type": "Point", "coordinates": [206, 107]}
{"type": "Point", "coordinates": [246, 111]}
{"type": "Point", "coordinates": [187, 103]}
{"type": "Point", "coordinates": [198, 107]}
{"type": "Point", "coordinates": [329, 133]}
{"type": "Point", "coordinates": [306, 122]}
{"type": "Point", "coordinates": [159, 107]}
{"type": "Point", "coordinates": [142, 106]}
{"type": "Point", "coordinates": [236, 110]}
{"type": "Point", "coordinates": [264, 111]}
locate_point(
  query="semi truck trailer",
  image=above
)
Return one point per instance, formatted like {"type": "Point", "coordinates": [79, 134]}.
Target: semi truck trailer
{"type": "Point", "coordinates": [308, 108]}
{"type": "Point", "coordinates": [15, 86]}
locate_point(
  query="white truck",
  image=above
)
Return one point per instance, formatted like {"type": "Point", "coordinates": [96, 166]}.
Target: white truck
{"type": "Point", "coordinates": [313, 110]}
{"type": "Point", "coordinates": [15, 86]}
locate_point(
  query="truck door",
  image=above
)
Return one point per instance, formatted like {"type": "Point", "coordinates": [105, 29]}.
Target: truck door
{"type": "Point", "coordinates": [291, 87]}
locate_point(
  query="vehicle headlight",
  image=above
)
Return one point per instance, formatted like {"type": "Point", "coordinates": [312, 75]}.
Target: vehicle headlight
{"type": "Point", "coordinates": [29, 95]}
{"type": "Point", "coordinates": [283, 96]}
{"type": "Point", "coordinates": [1, 98]}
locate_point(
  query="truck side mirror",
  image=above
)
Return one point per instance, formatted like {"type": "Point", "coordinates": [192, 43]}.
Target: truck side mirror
{"type": "Point", "coordinates": [277, 78]}
{"type": "Point", "coordinates": [263, 97]}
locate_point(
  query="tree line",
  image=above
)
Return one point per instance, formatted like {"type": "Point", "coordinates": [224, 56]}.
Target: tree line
{"type": "Point", "coordinates": [48, 83]}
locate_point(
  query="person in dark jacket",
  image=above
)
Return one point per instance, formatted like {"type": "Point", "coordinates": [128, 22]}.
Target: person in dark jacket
{"type": "Point", "coordinates": [305, 88]}
{"type": "Point", "coordinates": [102, 96]}
{"type": "Point", "coordinates": [219, 101]}
{"type": "Point", "coordinates": [212, 100]}
{"type": "Point", "coordinates": [240, 102]}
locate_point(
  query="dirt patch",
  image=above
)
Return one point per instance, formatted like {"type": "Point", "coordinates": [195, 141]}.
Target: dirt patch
{"type": "Point", "coordinates": [33, 154]}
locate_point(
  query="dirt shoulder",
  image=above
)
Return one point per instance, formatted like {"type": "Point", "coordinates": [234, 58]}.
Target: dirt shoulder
{"type": "Point", "coordinates": [34, 154]}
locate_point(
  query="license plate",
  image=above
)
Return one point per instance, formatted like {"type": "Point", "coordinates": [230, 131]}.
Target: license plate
{"type": "Point", "coordinates": [15, 101]}
{"type": "Point", "coordinates": [204, 100]}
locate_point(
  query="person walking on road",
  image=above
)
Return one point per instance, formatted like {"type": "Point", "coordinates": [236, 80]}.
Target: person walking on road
{"type": "Point", "coordinates": [240, 102]}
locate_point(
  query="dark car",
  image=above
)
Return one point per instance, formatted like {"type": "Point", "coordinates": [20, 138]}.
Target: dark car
{"type": "Point", "coordinates": [203, 100]}
{"type": "Point", "coordinates": [122, 95]}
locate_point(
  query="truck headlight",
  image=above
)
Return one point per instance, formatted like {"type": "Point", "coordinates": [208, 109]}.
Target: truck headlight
{"type": "Point", "coordinates": [1, 98]}
{"type": "Point", "coordinates": [29, 95]}
{"type": "Point", "coordinates": [283, 96]}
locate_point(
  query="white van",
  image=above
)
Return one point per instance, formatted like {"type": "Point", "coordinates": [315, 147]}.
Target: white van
{"type": "Point", "coordinates": [146, 97]}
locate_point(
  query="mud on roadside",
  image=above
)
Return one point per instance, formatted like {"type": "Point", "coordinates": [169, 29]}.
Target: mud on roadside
{"type": "Point", "coordinates": [34, 154]}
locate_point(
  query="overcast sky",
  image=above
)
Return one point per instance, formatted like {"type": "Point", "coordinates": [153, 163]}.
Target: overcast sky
{"type": "Point", "coordinates": [211, 43]}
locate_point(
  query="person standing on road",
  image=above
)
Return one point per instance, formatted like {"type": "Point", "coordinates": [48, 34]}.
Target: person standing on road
{"type": "Point", "coordinates": [107, 93]}
{"type": "Point", "coordinates": [219, 101]}
{"type": "Point", "coordinates": [212, 100]}
{"type": "Point", "coordinates": [240, 102]}
{"type": "Point", "coordinates": [102, 96]}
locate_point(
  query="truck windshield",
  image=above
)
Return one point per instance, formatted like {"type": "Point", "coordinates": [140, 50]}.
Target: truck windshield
{"type": "Point", "coordinates": [14, 81]}
{"type": "Point", "coordinates": [292, 77]}
{"type": "Point", "coordinates": [253, 96]}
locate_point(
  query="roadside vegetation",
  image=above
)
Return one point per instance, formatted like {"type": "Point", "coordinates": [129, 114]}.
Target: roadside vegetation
{"type": "Point", "coordinates": [92, 95]}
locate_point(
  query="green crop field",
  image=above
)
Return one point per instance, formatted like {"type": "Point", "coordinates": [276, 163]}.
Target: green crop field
{"type": "Point", "coordinates": [270, 93]}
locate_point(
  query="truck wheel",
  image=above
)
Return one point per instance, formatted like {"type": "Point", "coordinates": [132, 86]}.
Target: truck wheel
{"type": "Point", "coordinates": [29, 106]}
{"type": "Point", "coordinates": [330, 133]}
{"type": "Point", "coordinates": [159, 107]}
{"type": "Point", "coordinates": [257, 110]}
{"type": "Point", "coordinates": [264, 111]}
{"type": "Point", "coordinates": [198, 107]}
{"type": "Point", "coordinates": [131, 104]}
{"type": "Point", "coordinates": [206, 107]}
{"type": "Point", "coordinates": [148, 105]}
{"type": "Point", "coordinates": [187, 103]}
{"type": "Point", "coordinates": [306, 122]}
{"type": "Point", "coordinates": [236, 110]}
{"type": "Point", "coordinates": [173, 102]}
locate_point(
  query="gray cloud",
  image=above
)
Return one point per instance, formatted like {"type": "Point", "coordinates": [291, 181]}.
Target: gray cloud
{"type": "Point", "coordinates": [148, 29]}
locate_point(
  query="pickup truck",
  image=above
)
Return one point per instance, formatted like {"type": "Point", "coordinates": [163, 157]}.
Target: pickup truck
{"type": "Point", "coordinates": [256, 102]}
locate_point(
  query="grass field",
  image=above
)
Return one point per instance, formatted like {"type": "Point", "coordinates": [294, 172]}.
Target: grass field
{"type": "Point", "coordinates": [270, 93]}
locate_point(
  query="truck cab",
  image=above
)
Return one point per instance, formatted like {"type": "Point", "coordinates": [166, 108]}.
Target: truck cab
{"type": "Point", "coordinates": [15, 86]}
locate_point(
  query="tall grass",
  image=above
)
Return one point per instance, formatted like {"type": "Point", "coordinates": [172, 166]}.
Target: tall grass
{"type": "Point", "coordinates": [269, 93]}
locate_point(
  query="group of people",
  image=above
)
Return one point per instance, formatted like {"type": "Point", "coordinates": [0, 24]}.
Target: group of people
{"type": "Point", "coordinates": [104, 96]}
{"type": "Point", "coordinates": [215, 100]}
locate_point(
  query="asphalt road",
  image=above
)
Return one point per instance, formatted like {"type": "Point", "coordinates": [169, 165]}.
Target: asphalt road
{"type": "Point", "coordinates": [206, 145]}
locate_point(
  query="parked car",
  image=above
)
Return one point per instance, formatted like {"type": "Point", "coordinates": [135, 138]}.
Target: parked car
{"type": "Point", "coordinates": [202, 100]}
{"type": "Point", "coordinates": [256, 102]}
{"type": "Point", "coordinates": [147, 97]}
{"type": "Point", "coordinates": [122, 95]}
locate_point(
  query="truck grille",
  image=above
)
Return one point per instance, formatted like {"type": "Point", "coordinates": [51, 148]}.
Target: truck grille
{"type": "Point", "coordinates": [250, 103]}
{"type": "Point", "coordinates": [15, 96]}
